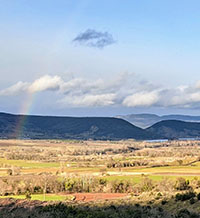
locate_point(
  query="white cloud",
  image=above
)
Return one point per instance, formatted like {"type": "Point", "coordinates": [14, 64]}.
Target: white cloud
{"type": "Point", "coordinates": [81, 86]}
{"type": "Point", "coordinates": [125, 90]}
{"type": "Point", "coordinates": [185, 99]}
{"type": "Point", "coordinates": [197, 85]}
{"type": "Point", "coordinates": [141, 99]}
{"type": "Point", "coordinates": [89, 100]}
{"type": "Point", "coordinates": [16, 89]}
{"type": "Point", "coordinates": [195, 97]}
{"type": "Point", "coordinates": [45, 83]}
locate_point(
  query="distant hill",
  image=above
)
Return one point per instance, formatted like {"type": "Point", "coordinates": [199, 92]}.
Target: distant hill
{"type": "Point", "coordinates": [147, 120]}
{"type": "Point", "coordinates": [141, 120]}
{"type": "Point", "coordinates": [174, 129]}
{"type": "Point", "coordinates": [96, 128]}
{"type": "Point", "coordinates": [52, 127]}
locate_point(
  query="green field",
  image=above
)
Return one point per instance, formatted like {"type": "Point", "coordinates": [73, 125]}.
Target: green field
{"type": "Point", "coordinates": [29, 164]}
{"type": "Point", "coordinates": [40, 197]}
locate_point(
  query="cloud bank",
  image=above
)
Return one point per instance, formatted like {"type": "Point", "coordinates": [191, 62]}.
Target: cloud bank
{"type": "Point", "coordinates": [45, 83]}
{"type": "Point", "coordinates": [15, 89]}
{"type": "Point", "coordinates": [93, 38]}
{"type": "Point", "coordinates": [141, 99]}
{"type": "Point", "coordinates": [124, 90]}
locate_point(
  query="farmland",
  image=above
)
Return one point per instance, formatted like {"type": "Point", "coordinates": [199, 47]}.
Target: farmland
{"type": "Point", "coordinates": [89, 172]}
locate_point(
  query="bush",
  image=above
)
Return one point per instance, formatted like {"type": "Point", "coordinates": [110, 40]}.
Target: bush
{"type": "Point", "coordinates": [195, 183]}
{"type": "Point", "coordinates": [166, 184]}
{"type": "Point", "coordinates": [146, 185]}
{"type": "Point", "coordinates": [70, 185]}
{"type": "Point", "coordinates": [100, 184]}
{"type": "Point", "coordinates": [192, 201]}
{"type": "Point", "coordinates": [184, 213]}
{"type": "Point", "coordinates": [184, 196]}
{"type": "Point", "coordinates": [28, 195]}
{"type": "Point", "coordinates": [163, 202]}
{"type": "Point", "coordinates": [120, 186]}
{"type": "Point", "coordinates": [35, 184]}
{"type": "Point", "coordinates": [182, 184]}
{"type": "Point", "coordinates": [9, 172]}
{"type": "Point", "coordinates": [198, 196]}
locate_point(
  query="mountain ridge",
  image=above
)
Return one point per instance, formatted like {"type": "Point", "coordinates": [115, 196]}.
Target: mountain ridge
{"type": "Point", "coordinates": [145, 120]}
{"type": "Point", "coordinates": [95, 128]}
{"type": "Point", "coordinates": [61, 127]}
{"type": "Point", "coordinates": [175, 129]}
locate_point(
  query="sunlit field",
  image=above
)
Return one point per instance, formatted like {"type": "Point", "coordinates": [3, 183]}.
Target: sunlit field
{"type": "Point", "coordinates": [160, 174]}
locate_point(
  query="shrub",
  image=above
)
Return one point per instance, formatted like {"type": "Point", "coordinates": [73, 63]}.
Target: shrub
{"type": "Point", "coordinates": [163, 202]}
{"type": "Point", "coordinates": [120, 186]}
{"type": "Point", "coordinates": [102, 181]}
{"type": "Point", "coordinates": [182, 184]}
{"type": "Point", "coordinates": [146, 185]}
{"type": "Point", "coordinates": [100, 184]}
{"type": "Point", "coordinates": [184, 213]}
{"type": "Point", "coordinates": [192, 201]}
{"type": "Point", "coordinates": [70, 184]}
{"type": "Point", "coordinates": [198, 196]}
{"type": "Point", "coordinates": [9, 172]}
{"type": "Point", "coordinates": [195, 183]}
{"type": "Point", "coordinates": [184, 196]}
{"type": "Point", "coordinates": [166, 184]}
{"type": "Point", "coordinates": [28, 195]}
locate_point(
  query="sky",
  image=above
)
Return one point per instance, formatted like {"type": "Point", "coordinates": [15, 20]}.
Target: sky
{"type": "Point", "coordinates": [99, 58]}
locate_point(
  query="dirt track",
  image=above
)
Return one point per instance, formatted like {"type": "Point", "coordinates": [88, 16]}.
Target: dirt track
{"type": "Point", "coordinates": [86, 197]}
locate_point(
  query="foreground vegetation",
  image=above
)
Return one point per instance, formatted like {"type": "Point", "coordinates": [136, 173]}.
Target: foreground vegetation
{"type": "Point", "coordinates": [157, 179]}
{"type": "Point", "coordinates": [112, 209]}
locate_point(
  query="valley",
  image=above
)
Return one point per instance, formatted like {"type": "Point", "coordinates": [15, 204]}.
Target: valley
{"type": "Point", "coordinates": [87, 172]}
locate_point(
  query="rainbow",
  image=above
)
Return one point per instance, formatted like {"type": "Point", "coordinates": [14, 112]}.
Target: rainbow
{"type": "Point", "coordinates": [25, 110]}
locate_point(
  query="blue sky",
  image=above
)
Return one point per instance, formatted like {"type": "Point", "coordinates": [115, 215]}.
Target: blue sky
{"type": "Point", "coordinates": [152, 65]}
